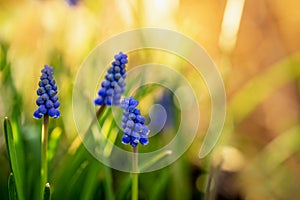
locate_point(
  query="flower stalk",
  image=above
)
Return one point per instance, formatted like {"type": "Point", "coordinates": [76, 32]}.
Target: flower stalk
{"type": "Point", "coordinates": [44, 168]}
{"type": "Point", "coordinates": [135, 132]}
{"type": "Point", "coordinates": [48, 105]}
{"type": "Point", "coordinates": [135, 178]}
{"type": "Point", "coordinates": [100, 111]}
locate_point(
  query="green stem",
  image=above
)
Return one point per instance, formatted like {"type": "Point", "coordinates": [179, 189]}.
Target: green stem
{"type": "Point", "coordinates": [135, 190]}
{"type": "Point", "coordinates": [100, 111]}
{"type": "Point", "coordinates": [44, 169]}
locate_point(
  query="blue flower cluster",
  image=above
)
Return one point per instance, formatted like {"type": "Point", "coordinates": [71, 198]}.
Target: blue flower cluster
{"type": "Point", "coordinates": [47, 100]}
{"type": "Point", "coordinates": [72, 2]}
{"type": "Point", "coordinates": [133, 124]}
{"type": "Point", "coordinates": [113, 86]}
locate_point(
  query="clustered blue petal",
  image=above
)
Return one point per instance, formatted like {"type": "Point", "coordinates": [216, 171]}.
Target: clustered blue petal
{"type": "Point", "coordinates": [47, 101]}
{"type": "Point", "coordinates": [113, 86]}
{"type": "Point", "coordinates": [72, 2]}
{"type": "Point", "coordinates": [133, 124]}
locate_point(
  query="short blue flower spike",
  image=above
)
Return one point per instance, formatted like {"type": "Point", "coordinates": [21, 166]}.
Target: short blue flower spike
{"type": "Point", "coordinates": [113, 86]}
{"type": "Point", "coordinates": [47, 101]}
{"type": "Point", "coordinates": [133, 124]}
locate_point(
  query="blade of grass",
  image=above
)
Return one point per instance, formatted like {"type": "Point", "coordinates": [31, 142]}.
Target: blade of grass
{"type": "Point", "coordinates": [158, 189]}
{"type": "Point", "coordinates": [15, 167]}
{"type": "Point", "coordinates": [53, 143]}
{"type": "Point", "coordinates": [67, 171]}
{"type": "Point", "coordinates": [125, 188]}
{"type": "Point", "coordinates": [155, 159]}
{"type": "Point", "coordinates": [108, 183]}
{"type": "Point", "coordinates": [180, 184]}
{"type": "Point", "coordinates": [288, 143]}
{"type": "Point", "coordinates": [90, 185]}
{"type": "Point", "coordinates": [12, 194]}
{"type": "Point", "coordinates": [75, 156]}
{"type": "Point", "coordinates": [76, 181]}
{"type": "Point", "coordinates": [47, 192]}
{"type": "Point", "coordinates": [259, 88]}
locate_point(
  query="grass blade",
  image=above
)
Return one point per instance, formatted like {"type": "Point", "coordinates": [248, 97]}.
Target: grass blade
{"type": "Point", "coordinates": [90, 185]}
{"type": "Point", "coordinates": [155, 159]}
{"type": "Point", "coordinates": [47, 194]}
{"type": "Point", "coordinates": [9, 140]}
{"type": "Point", "coordinates": [12, 193]}
{"type": "Point", "coordinates": [124, 189]}
{"type": "Point", "coordinates": [160, 187]}
{"type": "Point", "coordinates": [108, 185]}
{"type": "Point", "coordinates": [15, 168]}
{"type": "Point", "coordinates": [259, 88]}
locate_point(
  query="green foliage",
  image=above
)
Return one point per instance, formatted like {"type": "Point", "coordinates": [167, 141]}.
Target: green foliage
{"type": "Point", "coordinates": [12, 193]}
{"type": "Point", "coordinates": [15, 158]}
{"type": "Point", "coordinates": [262, 86]}
{"type": "Point", "coordinates": [75, 174]}
{"type": "Point", "coordinates": [47, 192]}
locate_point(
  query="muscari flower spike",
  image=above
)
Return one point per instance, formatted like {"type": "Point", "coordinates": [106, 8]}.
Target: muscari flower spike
{"type": "Point", "coordinates": [113, 86]}
{"type": "Point", "coordinates": [47, 101]}
{"type": "Point", "coordinates": [133, 124]}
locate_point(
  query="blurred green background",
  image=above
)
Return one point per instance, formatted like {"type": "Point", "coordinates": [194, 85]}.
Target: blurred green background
{"type": "Point", "coordinates": [255, 45]}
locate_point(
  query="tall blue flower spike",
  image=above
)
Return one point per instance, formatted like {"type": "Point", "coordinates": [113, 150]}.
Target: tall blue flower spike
{"type": "Point", "coordinates": [133, 124]}
{"type": "Point", "coordinates": [113, 86]}
{"type": "Point", "coordinates": [47, 101]}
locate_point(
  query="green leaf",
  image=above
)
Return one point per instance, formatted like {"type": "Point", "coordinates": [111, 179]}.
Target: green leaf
{"type": "Point", "coordinates": [180, 180]}
{"type": "Point", "coordinates": [285, 145]}
{"type": "Point", "coordinates": [9, 140]}
{"type": "Point", "coordinates": [157, 158]}
{"type": "Point", "coordinates": [70, 168]}
{"type": "Point", "coordinates": [47, 194]}
{"type": "Point", "coordinates": [53, 143]}
{"type": "Point", "coordinates": [90, 184]}
{"type": "Point", "coordinates": [12, 193]}
{"type": "Point", "coordinates": [124, 189]}
{"type": "Point", "coordinates": [108, 183]}
{"type": "Point", "coordinates": [160, 187]}
{"type": "Point", "coordinates": [3, 55]}
{"type": "Point", "coordinates": [259, 88]}
{"type": "Point", "coordinates": [13, 160]}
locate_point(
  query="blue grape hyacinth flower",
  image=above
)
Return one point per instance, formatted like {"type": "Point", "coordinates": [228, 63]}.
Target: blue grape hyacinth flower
{"type": "Point", "coordinates": [47, 101]}
{"type": "Point", "coordinates": [113, 86]}
{"type": "Point", "coordinates": [72, 2]}
{"type": "Point", "coordinates": [133, 124]}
